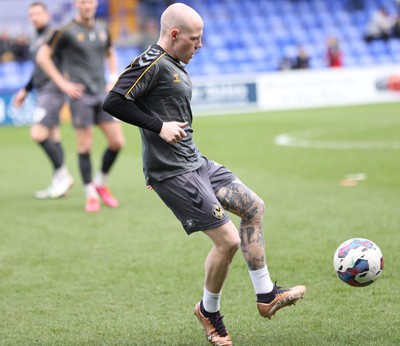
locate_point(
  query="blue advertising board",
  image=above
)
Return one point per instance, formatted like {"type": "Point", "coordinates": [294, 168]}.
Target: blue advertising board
{"type": "Point", "coordinates": [224, 94]}
{"type": "Point", "coordinates": [11, 115]}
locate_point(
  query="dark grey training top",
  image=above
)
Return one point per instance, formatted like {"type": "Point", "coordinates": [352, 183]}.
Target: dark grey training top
{"type": "Point", "coordinates": [161, 87]}
{"type": "Point", "coordinates": [40, 81]}
{"type": "Point", "coordinates": [83, 50]}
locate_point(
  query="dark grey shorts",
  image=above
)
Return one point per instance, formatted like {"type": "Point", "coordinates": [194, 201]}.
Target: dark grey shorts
{"type": "Point", "coordinates": [87, 111]}
{"type": "Point", "coordinates": [192, 196]}
{"type": "Point", "coordinates": [47, 109]}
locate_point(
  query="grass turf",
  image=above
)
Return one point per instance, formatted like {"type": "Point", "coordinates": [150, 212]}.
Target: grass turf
{"type": "Point", "coordinates": [131, 276]}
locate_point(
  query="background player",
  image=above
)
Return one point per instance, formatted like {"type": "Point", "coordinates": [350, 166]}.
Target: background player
{"type": "Point", "coordinates": [154, 93]}
{"type": "Point", "coordinates": [85, 46]}
{"type": "Point", "coordinates": [49, 99]}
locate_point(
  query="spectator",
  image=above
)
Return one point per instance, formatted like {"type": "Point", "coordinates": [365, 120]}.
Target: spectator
{"type": "Point", "coordinates": [379, 26]}
{"type": "Point", "coordinates": [149, 34]}
{"type": "Point", "coordinates": [285, 64]}
{"type": "Point", "coordinates": [5, 47]}
{"type": "Point", "coordinates": [396, 28]}
{"type": "Point", "coordinates": [334, 53]}
{"type": "Point", "coordinates": [355, 5]}
{"type": "Point", "coordinates": [20, 48]}
{"type": "Point", "coordinates": [302, 60]}
{"type": "Point", "coordinates": [152, 9]}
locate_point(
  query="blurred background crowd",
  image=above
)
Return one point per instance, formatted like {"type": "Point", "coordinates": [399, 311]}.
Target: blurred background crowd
{"type": "Point", "coordinates": [240, 36]}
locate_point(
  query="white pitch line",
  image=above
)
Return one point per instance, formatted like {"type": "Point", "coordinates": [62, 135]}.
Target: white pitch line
{"type": "Point", "coordinates": [304, 139]}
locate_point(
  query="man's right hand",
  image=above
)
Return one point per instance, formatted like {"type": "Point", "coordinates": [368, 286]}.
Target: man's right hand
{"type": "Point", "coordinates": [72, 90]}
{"type": "Point", "coordinates": [172, 132]}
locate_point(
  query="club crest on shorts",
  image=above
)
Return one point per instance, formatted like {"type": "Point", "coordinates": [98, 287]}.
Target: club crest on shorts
{"type": "Point", "coordinates": [218, 211]}
{"type": "Point", "coordinates": [190, 223]}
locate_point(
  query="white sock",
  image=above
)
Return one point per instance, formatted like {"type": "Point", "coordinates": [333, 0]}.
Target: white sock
{"type": "Point", "coordinates": [211, 301]}
{"type": "Point", "coordinates": [61, 172]}
{"type": "Point", "coordinates": [261, 280]}
{"type": "Point", "coordinates": [100, 179]}
{"type": "Point", "coordinates": [90, 191]}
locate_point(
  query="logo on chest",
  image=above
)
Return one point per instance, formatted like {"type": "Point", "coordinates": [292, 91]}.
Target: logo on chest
{"type": "Point", "coordinates": [80, 37]}
{"type": "Point", "coordinates": [176, 77]}
{"type": "Point", "coordinates": [92, 36]}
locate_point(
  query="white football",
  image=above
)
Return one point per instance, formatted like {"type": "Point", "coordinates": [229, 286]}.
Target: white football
{"type": "Point", "coordinates": [358, 262]}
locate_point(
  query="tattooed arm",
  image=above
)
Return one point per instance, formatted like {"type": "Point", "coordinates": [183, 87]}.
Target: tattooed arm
{"type": "Point", "coordinates": [241, 201]}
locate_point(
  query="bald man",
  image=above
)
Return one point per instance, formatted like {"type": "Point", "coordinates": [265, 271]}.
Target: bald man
{"type": "Point", "coordinates": [154, 93]}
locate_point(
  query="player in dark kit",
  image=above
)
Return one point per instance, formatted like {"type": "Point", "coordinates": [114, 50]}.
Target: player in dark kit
{"type": "Point", "coordinates": [154, 93]}
{"type": "Point", "coordinates": [84, 46]}
{"type": "Point", "coordinates": [49, 100]}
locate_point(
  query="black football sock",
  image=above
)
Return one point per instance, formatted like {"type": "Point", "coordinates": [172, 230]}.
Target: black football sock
{"type": "Point", "coordinates": [109, 158]}
{"type": "Point", "coordinates": [52, 153]}
{"type": "Point", "coordinates": [85, 167]}
{"type": "Point", "coordinates": [267, 297]}
{"type": "Point", "coordinates": [60, 151]}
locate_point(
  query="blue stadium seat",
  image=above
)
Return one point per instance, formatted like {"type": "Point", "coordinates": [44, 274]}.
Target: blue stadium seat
{"type": "Point", "coordinates": [378, 47]}
{"type": "Point", "coordinates": [351, 33]}
{"type": "Point", "coordinates": [343, 18]}
{"type": "Point", "coordinates": [215, 40]}
{"type": "Point", "coordinates": [222, 55]}
{"type": "Point", "coordinates": [395, 58]}
{"type": "Point", "coordinates": [366, 60]}
{"type": "Point", "coordinates": [383, 59]}
{"type": "Point", "coordinates": [350, 61]}
{"type": "Point", "coordinates": [240, 55]}
{"type": "Point", "coordinates": [317, 63]}
{"type": "Point", "coordinates": [359, 47]}
{"type": "Point", "coordinates": [213, 69]}
{"type": "Point", "coordinates": [394, 46]}
{"type": "Point", "coordinates": [257, 53]}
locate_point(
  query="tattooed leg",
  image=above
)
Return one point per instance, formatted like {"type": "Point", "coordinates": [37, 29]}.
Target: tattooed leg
{"type": "Point", "coordinates": [241, 201]}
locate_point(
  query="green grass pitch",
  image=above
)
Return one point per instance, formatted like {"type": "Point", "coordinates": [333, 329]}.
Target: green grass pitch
{"type": "Point", "coordinates": [131, 276]}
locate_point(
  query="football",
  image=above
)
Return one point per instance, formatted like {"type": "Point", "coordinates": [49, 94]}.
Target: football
{"type": "Point", "coordinates": [358, 262]}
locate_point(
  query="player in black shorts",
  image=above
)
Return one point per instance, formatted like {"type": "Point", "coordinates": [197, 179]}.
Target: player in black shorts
{"type": "Point", "coordinates": [45, 129]}
{"type": "Point", "coordinates": [85, 46]}
{"type": "Point", "coordinates": [154, 93]}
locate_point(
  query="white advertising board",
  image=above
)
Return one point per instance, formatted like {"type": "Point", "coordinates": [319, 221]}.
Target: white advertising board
{"type": "Point", "coordinates": [332, 87]}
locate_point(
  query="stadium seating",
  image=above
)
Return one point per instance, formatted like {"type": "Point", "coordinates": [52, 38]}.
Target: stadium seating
{"type": "Point", "coordinates": [253, 35]}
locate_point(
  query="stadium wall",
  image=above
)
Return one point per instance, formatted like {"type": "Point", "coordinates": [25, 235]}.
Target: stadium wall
{"type": "Point", "coordinates": [267, 92]}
